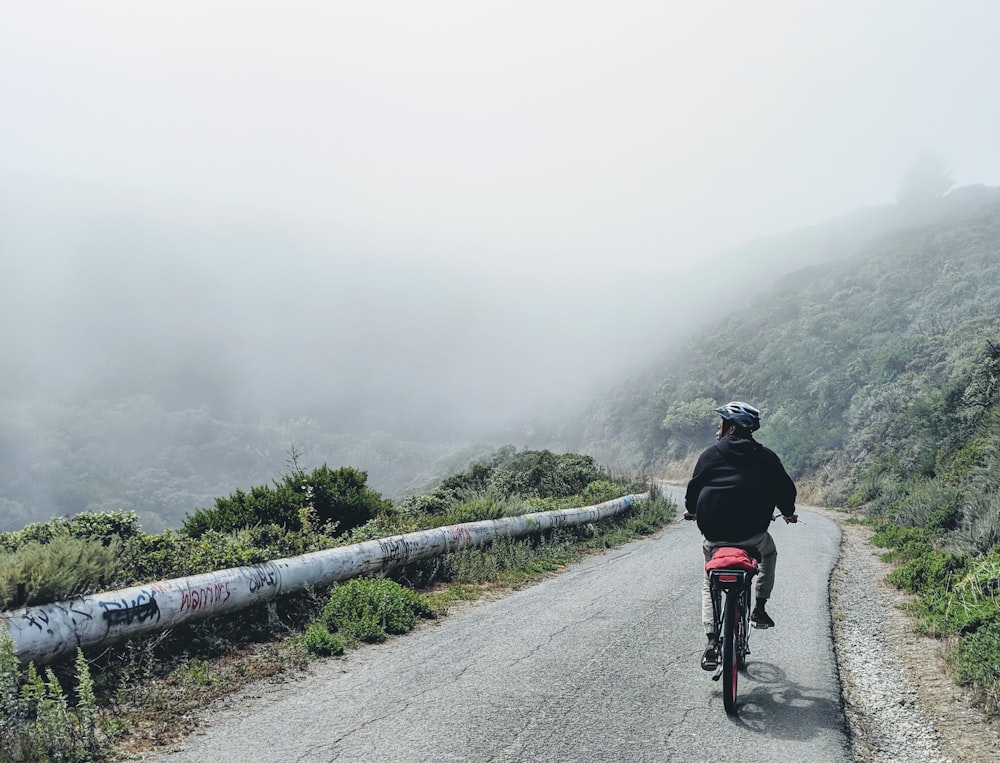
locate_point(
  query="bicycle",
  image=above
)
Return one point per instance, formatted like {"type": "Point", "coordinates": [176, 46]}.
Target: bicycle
{"type": "Point", "coordinates": [730, 575]}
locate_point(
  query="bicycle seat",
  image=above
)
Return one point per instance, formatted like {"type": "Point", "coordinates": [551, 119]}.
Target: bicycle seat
{"type": "Point", "coordinates": [731, 558]}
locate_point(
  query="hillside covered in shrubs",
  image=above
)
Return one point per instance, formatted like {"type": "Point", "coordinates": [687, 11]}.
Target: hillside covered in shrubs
{"type": "Point", "coordinates": [879, 382]}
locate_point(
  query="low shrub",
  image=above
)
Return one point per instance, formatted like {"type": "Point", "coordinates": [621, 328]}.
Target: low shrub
{"type": "Point", "coordinates": [479, 505]}
{"type": "Point", "coordinates": [976, 663]}
{"type": "Point", "coordinates": [957, 596]}
{"type": "Point", "coordinates": [338, 499]}
{"type": "Point", "coordinates": [64, 567]}
{"type": "Point", "coordinates": [510, 560]}
{"type": "Point", "coordinates": [649, 516]}
{"type": "Point", "coordinates": [903, 542]}
{"type": "Point", "coordinates": [318, 641]}
{"type": "Point", "coordinates": [600, 491]}
{"type": "Point", "coordinates": [146, 558]}
{"type": "Point", "coordinates": [104, 526]}
{"type": "Point", "coordinates": [930, 574]}
{"type": "Point", "coordinates": [369, 609]}
{"type": "Point", "coordinates": [37, 721]}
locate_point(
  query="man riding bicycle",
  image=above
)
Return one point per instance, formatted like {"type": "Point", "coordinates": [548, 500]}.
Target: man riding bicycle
{"type": "Point", "coordinates": [736, 484]}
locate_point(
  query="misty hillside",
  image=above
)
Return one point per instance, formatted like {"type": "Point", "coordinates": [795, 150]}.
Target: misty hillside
{"type": "Point", "coordinates": [875, 375]}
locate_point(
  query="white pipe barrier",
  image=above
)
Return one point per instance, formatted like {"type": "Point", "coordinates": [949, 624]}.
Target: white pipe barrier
{"type": "Point", "coordinates": [49, 631]}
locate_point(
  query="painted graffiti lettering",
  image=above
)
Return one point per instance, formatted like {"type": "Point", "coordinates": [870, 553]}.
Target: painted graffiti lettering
{"type": "Point", "coordinates": [261, 575]}
{"type": "Point", "coordinates": [394, 550]}
{"type": "Point", "coordinates": [38, 618]}
{"type": "Point", "coordinates": [206, 596]}
{"type": "Point", "coordinates": [76, 616]}
{"type": "Point", "coordinates": [123, 612]}
{"type": "Point", "coordinates": [460, 536]}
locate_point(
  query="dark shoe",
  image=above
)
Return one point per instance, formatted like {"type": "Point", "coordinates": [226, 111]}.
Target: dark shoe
{"type": "Point", "coordinates": [710, 660]}
{"type": "Point", "coordinates": [760, 618]}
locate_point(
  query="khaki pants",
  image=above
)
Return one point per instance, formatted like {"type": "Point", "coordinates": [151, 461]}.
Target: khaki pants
{"type": "Point", "coordinates": [763, 583]}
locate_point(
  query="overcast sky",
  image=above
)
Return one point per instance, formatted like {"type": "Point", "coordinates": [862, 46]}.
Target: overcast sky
{"type": "Point", "coordinates": [528, 136]}
{"type": "Point", "coordinates": [211, 182]}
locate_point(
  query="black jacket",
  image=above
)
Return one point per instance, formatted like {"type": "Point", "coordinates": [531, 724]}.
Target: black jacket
{"type": "Point", "coordinates": [736, 485]}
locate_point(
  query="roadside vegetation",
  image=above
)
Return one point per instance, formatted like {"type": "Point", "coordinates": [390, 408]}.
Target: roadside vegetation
{"type": "Point", "coordinates": [879, 380]}
{"type": "Point", "coordinates": [955, 598]}
{"type": "Point", "coordinates": [122, 697]}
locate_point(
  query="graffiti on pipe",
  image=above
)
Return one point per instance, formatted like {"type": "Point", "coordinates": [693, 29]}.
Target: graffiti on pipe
{"type": "Point", "coordinates": [396, 550]}
{"type": "Point", "coordinates": [460, 535]}
{"type": "Point", "coordinates": [37, 619]}
{"type": "Point", "coordinates": [261, 576]}
{"type": "Point", "coordinates": [123, 612]}
{"type": "Point", "coordinates": [194, 599]}
{"type": "Point", "coordinates": [73, 612]}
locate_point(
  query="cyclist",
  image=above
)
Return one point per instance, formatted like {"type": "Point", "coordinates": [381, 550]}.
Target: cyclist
{"type": "Point", "coordinates": [736, 484]}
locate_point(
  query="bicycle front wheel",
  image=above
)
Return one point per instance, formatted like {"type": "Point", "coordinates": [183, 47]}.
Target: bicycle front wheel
{"type": "Point", "coordinates": [730, 650]}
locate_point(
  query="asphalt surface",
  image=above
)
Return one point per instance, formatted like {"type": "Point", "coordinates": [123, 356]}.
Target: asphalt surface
{"type": "Point", "coordinates": [597, 663]}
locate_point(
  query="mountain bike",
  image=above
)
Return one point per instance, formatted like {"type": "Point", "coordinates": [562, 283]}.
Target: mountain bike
{"type": "Point", "coordinates": [730, 574]}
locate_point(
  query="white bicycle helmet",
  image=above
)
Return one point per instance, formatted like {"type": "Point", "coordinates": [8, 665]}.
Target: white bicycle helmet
{"type": "Point", "coordinates": [742, 414]}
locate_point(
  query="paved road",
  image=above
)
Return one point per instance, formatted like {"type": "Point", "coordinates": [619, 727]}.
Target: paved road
{"type": "Point", "coordinates": [599, 663]}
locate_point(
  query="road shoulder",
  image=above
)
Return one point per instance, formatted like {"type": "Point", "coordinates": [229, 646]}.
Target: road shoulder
{"type": "Point", "coordinates": [899, 697]}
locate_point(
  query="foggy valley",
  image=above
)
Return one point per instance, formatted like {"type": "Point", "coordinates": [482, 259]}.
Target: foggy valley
{"type": "Point", "coordinates": [394, 238]}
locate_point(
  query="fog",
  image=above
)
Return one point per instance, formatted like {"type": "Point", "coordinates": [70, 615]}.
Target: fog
{"type": "Point", "coordinates": [433, 219]}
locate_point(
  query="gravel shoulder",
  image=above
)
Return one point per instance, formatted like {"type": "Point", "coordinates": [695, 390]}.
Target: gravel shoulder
{"type": "Point", "coordinates": [900, 700]}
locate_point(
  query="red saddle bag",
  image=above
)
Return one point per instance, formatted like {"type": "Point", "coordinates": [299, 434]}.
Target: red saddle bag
{"type": "Point", "coordinates": [731, 558]}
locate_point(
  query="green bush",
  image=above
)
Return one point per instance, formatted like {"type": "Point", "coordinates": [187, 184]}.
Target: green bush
{"type": "Point", "coordinates": [600, 491]}
{"type": "Point", "coordinates": [977, 662]}
{"type": "Point", "coordinates": [65, 567]}
{"type": "Point", "coordinates": [967, 459]}
{"type": "Point", "coordinates": [215, 550]}
{"type": "Point", "coordinates": [368, 609]}
{"type": "Point", "coordinates": [508, 559]}
{"type": "Point", "coordinates": [946, 517]}
{"type": "Point", "coordinates": [104, 526]}
{"type": "Point", "coordinates": [531, 473]}
{"type": "Point", "coordinates": [438, 504]}
{"type": "Point", "coordinates": [650, 516]}
{"type": "Point", "coordinates": [146, 558]}
{"type": "Point", "coordinates": [483, 505]}
{"type": "Point", "coordinates": [903, 542]}
{"type": "Point", "coordinates": [318, 640]}
{"type": "Point", "coordinates": [930, 574]}
{"type": "Point", "coordinates": [263, 505]}
{"type": "Point", "coordinates": [339, 499]}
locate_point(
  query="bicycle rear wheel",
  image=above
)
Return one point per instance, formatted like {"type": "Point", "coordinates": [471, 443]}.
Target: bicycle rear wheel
{"type": "Point", "coordinates": [730, 650]}
{"type": "Point", "coordinates": [743, 647]}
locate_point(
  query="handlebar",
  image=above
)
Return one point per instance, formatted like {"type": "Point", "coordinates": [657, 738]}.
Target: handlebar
{"type": "Point", "coordinates": [794, 519]}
